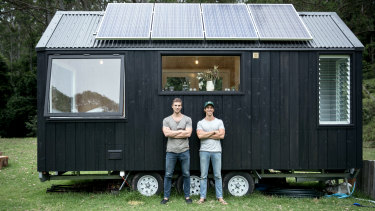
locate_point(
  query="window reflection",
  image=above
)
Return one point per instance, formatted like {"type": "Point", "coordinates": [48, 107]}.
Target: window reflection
{"type": "Point", "coordinates": [85, 85]}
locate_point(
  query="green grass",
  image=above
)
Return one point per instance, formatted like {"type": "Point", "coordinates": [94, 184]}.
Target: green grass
{"type": "Point", "coordinates": [368, 153]}
{"type": "Point", "coordinates": [20, 189]}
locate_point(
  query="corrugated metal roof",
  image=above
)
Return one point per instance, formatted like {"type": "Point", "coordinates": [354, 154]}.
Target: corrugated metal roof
{"type": "Point", "coordinates": [325, 30]}
{"type": "Point", "coordinates": [78, 30]}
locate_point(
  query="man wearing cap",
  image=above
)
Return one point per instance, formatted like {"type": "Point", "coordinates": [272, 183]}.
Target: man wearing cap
{"type": "Point", "coordinates": [177, 128]}
{"type": "Point", "coordinates": [210, 131]}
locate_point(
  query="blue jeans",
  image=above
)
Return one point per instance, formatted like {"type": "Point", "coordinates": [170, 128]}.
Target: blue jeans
{"type": "Point", "coordinates": [170, 162]}
{"type": "Point", "coordinates": [216, 165]}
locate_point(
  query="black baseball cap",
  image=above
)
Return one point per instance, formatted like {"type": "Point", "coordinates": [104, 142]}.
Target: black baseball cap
{"type": "Point", "coordinates": [209, 103]}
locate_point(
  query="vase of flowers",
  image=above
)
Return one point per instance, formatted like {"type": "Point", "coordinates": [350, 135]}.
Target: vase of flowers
{"type": "Point", "coordinates": [209, 76]}
{"type": "Point", "coordinates": [210, 86]}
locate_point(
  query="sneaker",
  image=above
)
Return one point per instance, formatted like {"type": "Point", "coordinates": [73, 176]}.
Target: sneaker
{"type": "Point", "coordinates": [164, 201]}
{"type": "Point", "coordinates": [188, 201]}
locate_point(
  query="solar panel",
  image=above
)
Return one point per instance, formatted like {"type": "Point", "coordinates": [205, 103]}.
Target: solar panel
{"type": "Point", "coordinates": [278, 22]}
{"type": "Point", "coordinates": [228, 21]}
{"type": "Point", "coordinates": [177, 21]}
{"type": "Point", "coordinates": [126, 21]}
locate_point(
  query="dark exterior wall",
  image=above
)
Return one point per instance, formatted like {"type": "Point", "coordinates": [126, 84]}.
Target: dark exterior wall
{"type": "Point", "coordinates": [272, 124]}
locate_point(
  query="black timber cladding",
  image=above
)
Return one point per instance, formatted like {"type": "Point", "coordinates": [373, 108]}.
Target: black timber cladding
{"type": "Point", "coordinates": [272, 123]}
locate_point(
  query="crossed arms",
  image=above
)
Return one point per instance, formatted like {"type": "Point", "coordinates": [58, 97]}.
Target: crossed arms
{"type": "Point", "coordinates": [177, 133]}
{"type": "Point", "coordinates": [216, 134]}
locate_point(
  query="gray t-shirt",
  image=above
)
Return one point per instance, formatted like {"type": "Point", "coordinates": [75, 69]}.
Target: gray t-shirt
{"type": "Point", "coordinates": [210, 145]}
{"type": "Point", "coordinates": [177, 145]}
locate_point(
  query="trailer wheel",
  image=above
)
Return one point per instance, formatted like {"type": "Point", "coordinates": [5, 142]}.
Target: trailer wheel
{"type": "Point", "coordinates": [238, 183]}
{"type": "Point", "coordinates": [195, 185]}
{"type": "Point", "coordinates": [147, 184]}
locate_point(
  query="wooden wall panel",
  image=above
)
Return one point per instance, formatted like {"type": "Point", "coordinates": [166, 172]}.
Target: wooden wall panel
{"type": "Point", "coordinates": [61, 154]}
{"type": "Point", "coordinates": [234, 133]}
{"type": "Point", "coordinates": [120, 142]}
{"type": "Point", "coordinates": [50, 147]}
{"type": "Point", "coordinates": [70, 146]}
{"type": "Point", "coordinates": [90, 147]}
{"type": "Point", "coordinates": [275, 110]}
{"type": "Point", "coordinates": [304, 110]}
{"type": "Point", "coordinates": [332, 149]}
{"type": "Point", "coordinates": [130, 101]}
{"type": "Point", "coordinates": [294, 95]}
{"type": "Point", "coordinates": [341, 149]}
{"type": "Point", "coordinates": [255, 114]}
{"type": "Point", "coordinates": [81, 146]}
{"type": "Point", "coordinates": [245, 113]}
{"type": "Point", "coordinates": [312, 112]}
{"type": "Point", "coordinates": [265, 108]}
{"type": "Point", "coordinates": [272, 124]}
{"type": "Point", "coordinates": [228, 147]}
{"type": "Point", "coordinates": [322, 148]}
{"type": "Point", "coordinates": [284, 110]}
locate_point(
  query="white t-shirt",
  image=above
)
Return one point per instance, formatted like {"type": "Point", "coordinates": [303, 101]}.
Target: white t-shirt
{"type": "Point", "coordinates": [210, 145]}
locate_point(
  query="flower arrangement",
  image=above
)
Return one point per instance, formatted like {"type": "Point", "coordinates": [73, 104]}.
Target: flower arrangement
{"type": "Point", "coordinates": [210, 74]}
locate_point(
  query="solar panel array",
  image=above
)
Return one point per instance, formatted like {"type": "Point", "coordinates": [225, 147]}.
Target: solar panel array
{"type": "Point", "coordinates": [177, 21]}
{"type": "Point", "coordinates": [126, 21]}
{"type": "Point", "coordinates": [278, 22]}
{"type": "Point", "coordinates": [228, 21]}
{"type": "Point", "coordinates": [165, 21]}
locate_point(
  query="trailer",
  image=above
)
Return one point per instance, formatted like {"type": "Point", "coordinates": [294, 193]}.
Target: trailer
{"type": "Point", "coordinates": [289, 92]}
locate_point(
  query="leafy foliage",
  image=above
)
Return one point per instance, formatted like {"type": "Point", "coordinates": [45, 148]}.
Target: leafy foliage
{"type": "Point", "coordinates": [5, 89]}
{"type": "Point", "coordinates": [369, 112]}
{"type": "Point", "coordinates": [209, 75]}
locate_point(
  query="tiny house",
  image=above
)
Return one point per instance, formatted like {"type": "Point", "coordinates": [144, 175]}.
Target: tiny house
{"type": "Point", "coordinates": [289, 92]}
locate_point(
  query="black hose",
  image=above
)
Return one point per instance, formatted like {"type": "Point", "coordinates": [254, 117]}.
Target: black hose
{"type": "Point", "coordinates": [294, 193]}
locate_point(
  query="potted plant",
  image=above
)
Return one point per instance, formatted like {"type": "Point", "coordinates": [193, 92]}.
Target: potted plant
{"type": "Point", "coordinates": [209, 76]}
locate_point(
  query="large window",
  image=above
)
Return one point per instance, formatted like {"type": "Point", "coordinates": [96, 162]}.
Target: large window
{"type": "Point", "coordinates": [85, 86]}
{"type": "Point", "coordinates": [334, 89]}
{"type": "Point", "coordinates": [200, 73]}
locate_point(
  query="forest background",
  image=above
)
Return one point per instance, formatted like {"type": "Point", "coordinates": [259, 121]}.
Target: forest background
{"type": "Point", "coordinates": [22, 23]}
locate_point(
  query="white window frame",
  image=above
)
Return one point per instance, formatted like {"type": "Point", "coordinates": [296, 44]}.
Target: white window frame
{"type": "Point", "coordinates": [348, 122]}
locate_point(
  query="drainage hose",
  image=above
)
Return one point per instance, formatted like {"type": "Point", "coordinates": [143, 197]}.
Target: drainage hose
{"type": "Point", "coordinates": [294, 193]}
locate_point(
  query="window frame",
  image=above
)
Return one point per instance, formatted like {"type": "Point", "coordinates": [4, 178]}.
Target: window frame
{"type": "Point", "coordinates": [200, 53]}
{"type": "Point", "coordinates": [351, 85]}
{"type": "Point", "coordinates": [119, 114]}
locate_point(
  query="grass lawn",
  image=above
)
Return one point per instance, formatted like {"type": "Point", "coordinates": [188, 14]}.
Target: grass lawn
{"type": "Point", "coordinates": [20, 189]}
{"type": "Point", "coordinates": [368, 153]}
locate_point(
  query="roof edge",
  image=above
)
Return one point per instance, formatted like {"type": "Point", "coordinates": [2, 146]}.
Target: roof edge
{"type": "Point", "coordinates": [346, 31]}
{"type": "Point", "coordinates": [315, 13]}
{"type": "Point", "coordinates": [82, 12]}
{"type": "Point", "coordinates": [333, 49]}
{"type": "Point", "coordinates": [55, 21]}
{"type": "Point", "coordinates": [50, 29]}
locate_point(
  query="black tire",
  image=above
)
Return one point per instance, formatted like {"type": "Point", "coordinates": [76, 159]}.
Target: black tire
{"type": "Point", "coordinates": [147, 184]}
{"type": "Point", "coordinates": [238, 183]}
{"type": "Point", "coordinates": [194, 190]}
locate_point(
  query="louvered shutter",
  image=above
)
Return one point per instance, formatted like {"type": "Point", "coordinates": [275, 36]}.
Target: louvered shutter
{"type": "Point", "coordinates": [334, 89]}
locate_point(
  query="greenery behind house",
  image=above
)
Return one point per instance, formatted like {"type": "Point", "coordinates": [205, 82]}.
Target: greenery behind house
{"type": "Point", "coordinates": [22, 23]}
